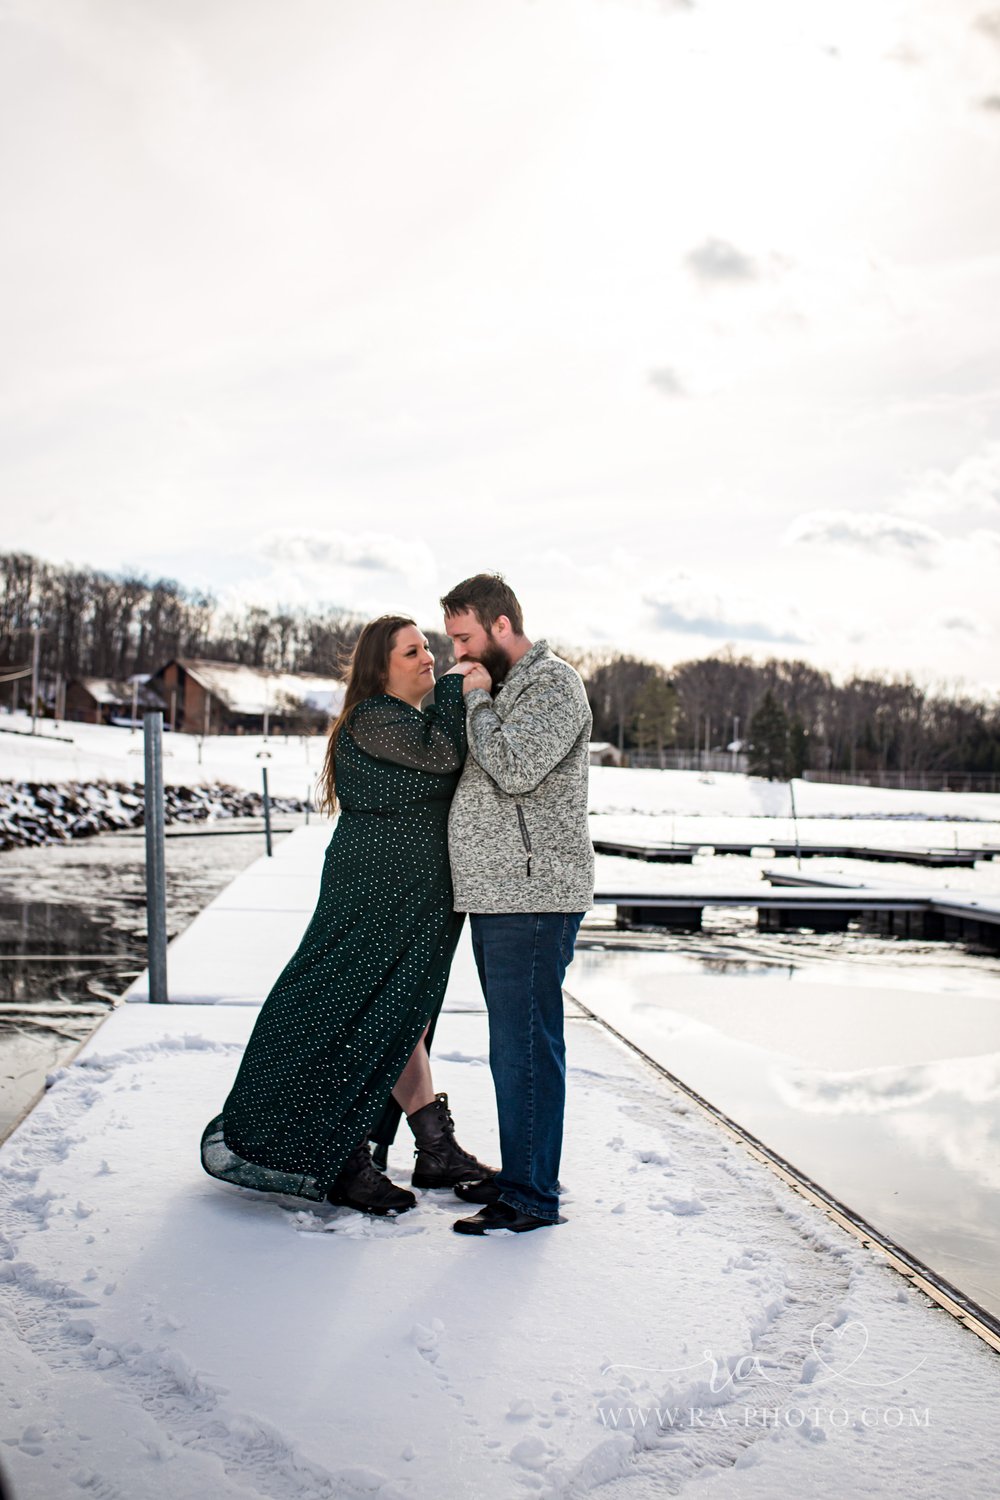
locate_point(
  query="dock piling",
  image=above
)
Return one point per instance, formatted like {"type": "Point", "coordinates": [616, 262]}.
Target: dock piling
{"type": "Point", "coordinates": [156, 869]}
{"type": "Point", "coordinates": [267, 814]}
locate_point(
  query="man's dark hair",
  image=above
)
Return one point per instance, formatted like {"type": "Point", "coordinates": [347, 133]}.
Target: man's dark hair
{"type": "Point", "coordinates": [488, 596]}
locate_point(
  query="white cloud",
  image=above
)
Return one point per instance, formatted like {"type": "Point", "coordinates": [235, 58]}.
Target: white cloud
{"type": "Point", "coordinates": [961, 623]}
{"type": "Point", "coordinates": [989, 24]}
{"type": "Point", "coordinates": [685, 606]}
{"type": "Point", "coordinates": [973, 485]}
{"type": "Point", "coordinates": [370, 551]}
{"type": "Point", "coordinates": [667, 381]}
{"type": "Point", "coordinates": [716, 260]}
{"type": "Point", "coordinates": [866, 530]}
{"type": "Point", "coordinates": [368, 573]}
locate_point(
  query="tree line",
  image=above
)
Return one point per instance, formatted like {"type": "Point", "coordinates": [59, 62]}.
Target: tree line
{"type": "Point", "coordinates": [788, 715]}
{"type": "Point", "coordinates": [97, 624]}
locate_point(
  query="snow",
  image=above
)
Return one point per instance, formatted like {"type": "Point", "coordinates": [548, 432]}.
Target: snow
{"type": "Point", "coordinates": [733, 795]}
{"type": "Point", "coordinates": [96, 752]}
{"type": "Point", "coordinates": [112, 690]}
{"type": "Point", "coordinates": [694, 1321]}
{"type": "Point", "coordinates": [689, 805]}
{"type": "Point", "coordinates": [253, 691]}
{"type": "Point", "coordinates": [167, 1335]}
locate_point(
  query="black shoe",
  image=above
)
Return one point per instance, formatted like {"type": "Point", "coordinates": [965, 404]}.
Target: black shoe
{"type": "Point", "coordinates": [358, 1185]}
{"type": "Point", "coordinates": [484, 1190]}
{"type": "Point", "coordinates": [440, 1162]}
{"type": "Point", "coordinates": [501, 1216]}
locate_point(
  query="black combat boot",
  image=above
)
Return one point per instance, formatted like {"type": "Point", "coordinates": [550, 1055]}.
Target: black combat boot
{"type": "Point", "coordinates": [483, 1190]}
{"type": "Point", "coordinates": [359, 1185]}
{"type": "Point", "coordinates": [440, 1160]}
{"type": "Point", "coordinates": [496, 1216]}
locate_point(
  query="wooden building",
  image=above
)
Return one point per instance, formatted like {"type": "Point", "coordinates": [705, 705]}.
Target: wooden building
{"type": "Point", "coordinates": [223, 697]}
{"type": "Point", "coordinates": [602, 753]}
{"type": "Point", "coordinates": [103, 700]}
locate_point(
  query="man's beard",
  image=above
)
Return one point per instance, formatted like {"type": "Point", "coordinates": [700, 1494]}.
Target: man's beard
{"type": "Point", "coordinates": [495, 661]}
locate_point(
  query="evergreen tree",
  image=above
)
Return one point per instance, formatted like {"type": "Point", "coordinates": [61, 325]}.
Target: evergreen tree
{"type": "Point", "coordinates": [769, 737]}
{"type": "Point", "coordinates": [655, 713]}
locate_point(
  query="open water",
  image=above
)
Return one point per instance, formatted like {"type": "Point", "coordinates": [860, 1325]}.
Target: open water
{"type": "Point", "coordinates": [73, 935]}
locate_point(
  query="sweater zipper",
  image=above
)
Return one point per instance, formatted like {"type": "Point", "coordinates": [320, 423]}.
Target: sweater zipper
{"type": "Point", "coordinates": [525, 836]}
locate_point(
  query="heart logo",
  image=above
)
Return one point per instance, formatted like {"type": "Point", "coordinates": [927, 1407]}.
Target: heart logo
{"type": "Point", "coordinates": [849, 1341]}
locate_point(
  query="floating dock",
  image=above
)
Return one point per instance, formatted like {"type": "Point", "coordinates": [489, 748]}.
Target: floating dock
{"type": "Point", "coordinates": [826, 906]}
{"type": "Point", "coordinates": [657, 853]}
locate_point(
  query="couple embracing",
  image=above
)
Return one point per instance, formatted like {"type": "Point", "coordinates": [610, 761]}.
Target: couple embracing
{"type": "Point", "coordinates": [475, 804]}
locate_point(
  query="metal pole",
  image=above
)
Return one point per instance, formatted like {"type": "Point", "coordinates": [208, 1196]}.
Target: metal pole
{"type": "Point", "coordinates": [156, 870]}
{"type": "Point", "coordinates": [795, 824]}
{"type": "Point", "coordinates": [35, 643]}
{"type": "Point", "coordinates": [308, 803]}
{"type": "Point", "coordinates": [135, 704]}
{"type": "Point", "coordinates": [267, 812]}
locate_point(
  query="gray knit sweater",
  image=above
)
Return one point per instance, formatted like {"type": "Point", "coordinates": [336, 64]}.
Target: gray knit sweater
{"type": "Point", "coordinates": [517, 833]}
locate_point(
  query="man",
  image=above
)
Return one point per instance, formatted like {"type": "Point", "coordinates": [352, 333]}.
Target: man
{"type": "Point", "coordinates": [523, 867]}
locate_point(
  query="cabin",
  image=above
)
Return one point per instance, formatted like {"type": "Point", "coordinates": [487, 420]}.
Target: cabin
{"type": "Point", "coordinates": [105, 700]}
{"type": "Point", "coordinates": [223, 697]}
{"type": "Point", "coordinates": [603, 753]}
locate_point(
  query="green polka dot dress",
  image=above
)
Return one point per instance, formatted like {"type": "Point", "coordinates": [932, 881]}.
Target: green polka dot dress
{"type": "Point", "coordinates": [334, 1034]}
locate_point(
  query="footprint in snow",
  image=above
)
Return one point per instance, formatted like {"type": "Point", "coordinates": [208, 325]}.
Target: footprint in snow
{"type": "Point", "coordinates": [678, 1206]}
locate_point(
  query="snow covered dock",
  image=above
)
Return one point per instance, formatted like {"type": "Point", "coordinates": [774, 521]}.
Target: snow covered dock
{"type": "Point", "coordinates": [694, 1320]}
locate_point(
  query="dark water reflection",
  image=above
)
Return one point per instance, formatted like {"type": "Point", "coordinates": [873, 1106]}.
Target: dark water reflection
{"type": "Point", "coordinates": [73, 936]}
{"type": "Point", "coordinates": [62, 953]}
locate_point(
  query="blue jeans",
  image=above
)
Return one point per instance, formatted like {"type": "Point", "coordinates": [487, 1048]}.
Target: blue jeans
{"type": "Point", "coordinates": [522, 960]}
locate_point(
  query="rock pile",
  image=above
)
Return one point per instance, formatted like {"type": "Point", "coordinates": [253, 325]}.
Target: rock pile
{"type": "Point", "coordinates": [34, 812]}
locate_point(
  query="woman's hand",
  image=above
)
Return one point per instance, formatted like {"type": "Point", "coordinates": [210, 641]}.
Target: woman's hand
{"type": "Point", "coordinates": [476, 677]}
{"type": "Point", "coordinates": [475, 674]}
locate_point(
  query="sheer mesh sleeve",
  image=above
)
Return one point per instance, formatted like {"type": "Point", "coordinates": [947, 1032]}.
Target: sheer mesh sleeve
{"type": "Point", "coordinates": [431, 739]}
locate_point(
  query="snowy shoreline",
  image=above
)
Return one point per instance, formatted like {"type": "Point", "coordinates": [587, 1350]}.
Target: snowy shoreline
{"type": "Point", "coordinates": [687, 805]}
{"type": "Point", "coordinates": [34, 813]}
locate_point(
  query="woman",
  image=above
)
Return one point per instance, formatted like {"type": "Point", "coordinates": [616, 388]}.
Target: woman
{"type": "Point", "coordinates": [344, 1026]}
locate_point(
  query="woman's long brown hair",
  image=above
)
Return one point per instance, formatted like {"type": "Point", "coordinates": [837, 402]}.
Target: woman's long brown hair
{"type": "Point", "coordinates": [367, 672]}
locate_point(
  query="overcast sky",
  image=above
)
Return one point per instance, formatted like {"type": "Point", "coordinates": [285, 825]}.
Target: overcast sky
{"type": "Point", "coordinates": [684, 315]}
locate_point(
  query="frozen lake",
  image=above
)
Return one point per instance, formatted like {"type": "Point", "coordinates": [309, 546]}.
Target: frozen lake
{"type": "Point", "coordinates": [871, 1064]}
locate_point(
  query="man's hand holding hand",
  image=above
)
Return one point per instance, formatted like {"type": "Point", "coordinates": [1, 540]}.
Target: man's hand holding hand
{"type": "Point", "coordinates": [476, 677]}
{"type": "Point", "coordinates": [475, 674]}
